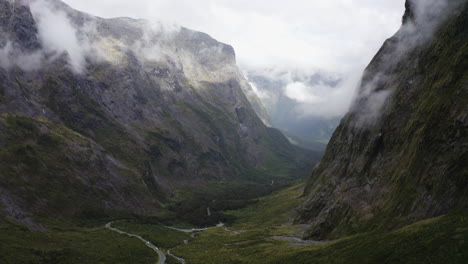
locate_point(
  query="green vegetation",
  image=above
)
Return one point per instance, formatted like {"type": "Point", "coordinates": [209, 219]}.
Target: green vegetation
{"type": "Point", "coordinates": [69, 242]}
{"type": "Point", "coordinates": [277, 168]}
{"type": "Point", "coordinates": [272, 210]}
{"type": "Point", "coordinates": [104, 150]}
{"type": "Point", "coordinates": [262, 233]}
{"type": "Point", "coordinates": [41, 160]}
{"type": "Point", "coordinates": [413, 158]}
{"type": "Point", "coordinates": [154, 232]}
{"type": "Point", "coordinates": [191, 205]}
{"type": "Point", "coordinates": [250, 240]}
{"type": "Point", "coordinates": [33, 158]}
{"type": "Point", "coordinates": [437, 240]}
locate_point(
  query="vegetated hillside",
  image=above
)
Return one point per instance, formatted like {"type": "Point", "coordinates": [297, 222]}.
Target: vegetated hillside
{"type": "Point", "coordinates": [120, 113]}
{"type": "Point", "coordinates": [401, 154]}
{"type": "Point", "coordinates": [263, 234]}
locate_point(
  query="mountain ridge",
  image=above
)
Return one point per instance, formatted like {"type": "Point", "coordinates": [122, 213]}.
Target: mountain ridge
{"type": "Point", "coordinates": [400, 154]}
{"type": "Point", "coordinates": [125, 111]}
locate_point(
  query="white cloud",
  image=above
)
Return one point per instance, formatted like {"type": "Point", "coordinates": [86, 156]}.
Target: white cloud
{"type": "Point", "coordinates": [322, 100]}
{"type": "Point", "coordinates": [374, 93]}
{"type": "Point", "coordinates": [302, 93]}
{"type": "Point", "coordinates": [58, 35]}
{"type": "Point", "coordinates": [334, 36]}
{"type": "Point", "coordinates": [263, 95]}
{"type": "Point", "coordinates": [331, 35]}
{"type": "Point", "coordinates": [11, 56]}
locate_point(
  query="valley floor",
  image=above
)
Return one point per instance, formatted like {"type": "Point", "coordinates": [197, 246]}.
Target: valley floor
{"type": "Point", "coordinates": [262, 233]}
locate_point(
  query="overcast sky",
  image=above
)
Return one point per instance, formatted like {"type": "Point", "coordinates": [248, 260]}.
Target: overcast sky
{"type": "Point", "coordinates": [335, 36]}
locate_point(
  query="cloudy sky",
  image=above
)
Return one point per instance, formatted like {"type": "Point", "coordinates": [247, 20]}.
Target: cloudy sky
{"type": "Point", "coordinates": [333, 35]}
{"type": "Point", "coordinates": [337, 36]}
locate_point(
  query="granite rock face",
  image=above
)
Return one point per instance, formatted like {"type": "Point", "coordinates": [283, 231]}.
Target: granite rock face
{"type": "Point", "coordinates": [401, 153]}
{"type": "Point", "coordinates": [120, 113]}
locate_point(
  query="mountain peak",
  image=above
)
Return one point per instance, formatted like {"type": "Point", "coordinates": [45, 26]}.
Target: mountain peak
{"type": "Point", "coordinates": [128, 110]}
{"type": "Point", "coordinates": [409, 14]}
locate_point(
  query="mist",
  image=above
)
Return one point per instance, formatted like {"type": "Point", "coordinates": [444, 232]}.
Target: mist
{"type": "Point", "coordinates": [81, 43]}
{"type": "Point", "coordinates": [12, 56]}
{"type": "Point", "coordinates": [337, 39]}
{"type": "Point", "coordinates": [333, 37]}
{"type": "Point", "coordinates": [57, 35]}
{"type": "Point", "coordinates": [417, 30]}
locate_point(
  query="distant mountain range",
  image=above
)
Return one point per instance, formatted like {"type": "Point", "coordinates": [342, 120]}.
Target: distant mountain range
{"type": "Point", "coordinates": [284, 112]}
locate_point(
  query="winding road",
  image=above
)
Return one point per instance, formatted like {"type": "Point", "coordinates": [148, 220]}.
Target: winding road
{"type": "Point", "coordinates": [162, 257]}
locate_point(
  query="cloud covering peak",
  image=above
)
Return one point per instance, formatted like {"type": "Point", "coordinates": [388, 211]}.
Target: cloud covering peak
{"type": "Point", "coordinates": [57, 34]}
{"type": "Point", "coordinates": [336, 37]}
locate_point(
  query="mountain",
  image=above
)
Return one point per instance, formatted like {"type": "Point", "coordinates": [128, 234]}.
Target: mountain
{"type": "Point", "coordinates": [401, 153]}
{"type": "Point", "coordinates": [308, 131]}
{"type": "Point", "coordinates": [121, 114]}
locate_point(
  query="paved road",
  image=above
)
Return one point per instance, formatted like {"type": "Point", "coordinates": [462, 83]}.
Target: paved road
{"type": "Point", "coordinates": [162, 257]}
{"type": "Point", "coordinates": [190, 230]}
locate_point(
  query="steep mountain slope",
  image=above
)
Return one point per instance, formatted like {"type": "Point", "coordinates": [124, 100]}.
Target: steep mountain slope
{"type": "Point", "coordinates": [401, 153]}
{"type": "Point", "coordinates": [118, 114]}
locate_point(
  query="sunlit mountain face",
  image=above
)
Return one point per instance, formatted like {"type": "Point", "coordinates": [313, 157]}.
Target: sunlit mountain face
{"type": "Point", "coordinates": [127, 140]}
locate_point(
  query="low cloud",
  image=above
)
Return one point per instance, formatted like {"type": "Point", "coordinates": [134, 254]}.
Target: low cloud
{"type": "Point", "coordinates": [314, 94]}
{"type": "Point", "coordinates": [261, 94]}
{"type": "Point", "coordinates": [325, 101]}
{"type": "Point", "coordinates": [329, 38]}
{"type": "Point", "coordinates": [81, 43]}
{"type": "Point", "coordinates": [417, 31]}
{"type": "Point", "coordinates": [12, 56]}
{"type": "Point", "coordinates": [329, 35]}
{"type": "Point", "coordinates": [302, 93]}
{"type": "Point", "coordinates": [334, 37]}
{"type": "Point", "coordinates": [58, 36]}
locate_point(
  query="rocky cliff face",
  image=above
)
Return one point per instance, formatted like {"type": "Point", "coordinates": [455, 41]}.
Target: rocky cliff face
{"type": "Point", "coordinates": [401, 153]}
{"type": "Point", "coordinates": [119, 113]}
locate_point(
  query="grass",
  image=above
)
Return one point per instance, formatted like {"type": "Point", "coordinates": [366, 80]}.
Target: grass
{"type": "Point", "coordinates": [249, 240]}
{"type": "Point", "coordinates": [437, 240]}
{"type": "Point", "coordinates": [70, 242]}
{"type": "Point", "coordinates": [275, 209]}
{"type": "Point", "coordinates": [156, 233]}
{"type": "Point", "coordinates": [46, 162]}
